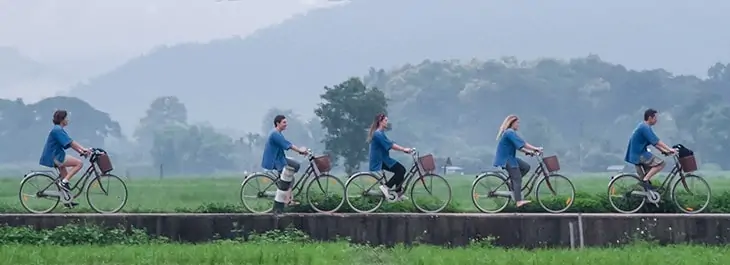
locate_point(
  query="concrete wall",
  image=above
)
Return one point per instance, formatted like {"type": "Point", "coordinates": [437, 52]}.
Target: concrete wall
{"type": "Point", "coordinates": [524, 230]}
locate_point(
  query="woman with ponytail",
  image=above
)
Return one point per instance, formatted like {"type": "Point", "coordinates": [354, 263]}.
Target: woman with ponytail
{"type": "Point", "coordinates": [506, 157]}
{"type": "Point", "coordinates": [380, 158]}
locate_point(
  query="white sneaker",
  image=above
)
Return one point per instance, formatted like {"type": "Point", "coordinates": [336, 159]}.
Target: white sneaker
{"type": "Point", "coordinates": [390, 196]}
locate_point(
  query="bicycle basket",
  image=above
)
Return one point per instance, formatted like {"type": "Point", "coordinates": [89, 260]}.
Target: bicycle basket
{"type": "Point", "coordinates": [427, 163]}
{"type": "Point", "coordinates": [104, 163]}
{"type": "Point", "coordinates": [688, 164]}
{"type": "Point", "coordinates": [551, 163]}
{"type": "Point", "coordinates": [323, 163]}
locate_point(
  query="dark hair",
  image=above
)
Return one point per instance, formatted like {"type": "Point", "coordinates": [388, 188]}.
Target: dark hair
{"type": "Point", "coordinates": [59, 116]}
{"type": "Point", "coordinates": [374, 126]}
{"type": "Point", "coordinates": [278, 119]}
{"type": "Point", "coordinates": [650, 113]}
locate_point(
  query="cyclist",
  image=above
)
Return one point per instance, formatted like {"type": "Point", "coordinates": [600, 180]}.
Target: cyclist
{"type": "Point", "coordinates": [380, 158]}
{"type": "Point", "coordinates": [54, 154]}
{"type": "Point", "coordinates": [275, 159]}
{"type": "Point", "coordinates": [638, 154]}
{"type": "Point", "coordinates": [506, 157]}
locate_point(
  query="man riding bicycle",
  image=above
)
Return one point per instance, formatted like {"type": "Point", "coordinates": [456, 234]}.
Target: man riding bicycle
{"type": "Point", "coordinates": [638, 154]}
{"type": "Point", "coordinates": [54, 154]}
{"type": "Point", "coordinates": [275, 159]}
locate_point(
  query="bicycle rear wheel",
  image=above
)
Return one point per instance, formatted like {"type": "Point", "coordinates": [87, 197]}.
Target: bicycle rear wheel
{"type": "Point", "coordinates": [112, 194]}
{"type": "Point", "coordinates": [559, 193]}
{"type": "Point", "coordinates": [626, 194]}
{"type": "Point", "coordinates": [691, 194]}
{"type": "Point", "coordinates": [363, 194]}
{"type": "Point", "coordinates": [326, 193]}
{"type": "Point", "coordinates": [257, 193]}
{"type": "Point", "coordinates": [39, 194]}
{"type": "Point", "coordinates": [491, 192]}
{"type": "Point", "coordinates": [436, 191]}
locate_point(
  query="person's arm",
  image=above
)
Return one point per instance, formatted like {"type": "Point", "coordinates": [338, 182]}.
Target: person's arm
{"type": "Point", "coordinates": [519, 144]}
{"type": "Point", "coordinates": [62, 137]}
{"type": "Point", "coordinates": [283, 143]}
{"type": "Point", "coordinates": [654, 140]}
{"type": "Point", "coordinates": [386, 143]}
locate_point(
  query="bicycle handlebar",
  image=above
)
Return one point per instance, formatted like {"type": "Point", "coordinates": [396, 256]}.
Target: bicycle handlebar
{"type": "Point", "coordinates": [94, 151]}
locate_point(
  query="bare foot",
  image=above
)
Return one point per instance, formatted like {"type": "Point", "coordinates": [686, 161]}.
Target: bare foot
{"type": "Point", "coordinates": [521, 203]}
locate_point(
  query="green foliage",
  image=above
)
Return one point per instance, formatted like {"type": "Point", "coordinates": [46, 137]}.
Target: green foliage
{"type": "Point", "coordinates": [346, 113]}
{"type": "Point", "coordinates": [75, 234]}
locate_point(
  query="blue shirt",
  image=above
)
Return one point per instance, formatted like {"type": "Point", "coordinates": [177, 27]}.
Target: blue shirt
{"type": "Point", "coordinates": [380, 147]}
{"type": "Point", "coordinates": [507, 148]}
{"type": "Point", "coordinates": [55, 149]}
{"type": "Point", "coordinates": [642, 137]}
{"type": "Point", "coordinates": [274, 157]}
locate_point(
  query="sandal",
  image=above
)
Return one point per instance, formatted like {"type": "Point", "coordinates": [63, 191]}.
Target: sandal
{"type": "Point", "coordinates": [522, 203]}
{"type": "Point", "coordinates": [293, 203]}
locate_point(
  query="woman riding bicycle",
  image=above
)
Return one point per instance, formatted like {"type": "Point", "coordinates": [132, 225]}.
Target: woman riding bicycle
{"type": "Point", "coordinates": [54, 154]}
{"type": "Point", "coordinates": [380, 158]}
{"type": "Point", "coordinates": [506, 157]}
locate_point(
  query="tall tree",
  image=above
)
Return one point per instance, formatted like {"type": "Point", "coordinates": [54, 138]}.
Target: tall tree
{"type": "Point", "coordinates": [162, 112]}
{"type": "Point", "coordinates": [346, 113]}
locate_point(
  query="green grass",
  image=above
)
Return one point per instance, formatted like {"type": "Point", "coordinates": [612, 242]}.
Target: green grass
{"type": "Point", "coordinates": [222, 194]}
{"type": "Point", "coordinates": [343, 253]}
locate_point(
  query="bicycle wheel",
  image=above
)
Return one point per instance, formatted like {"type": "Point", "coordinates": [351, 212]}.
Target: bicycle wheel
{"type": "Point", "coordinates": [559, 193]}
{"type": "Point", "coordinates": [362, 192]}
{"type": "Point", "coordinates": [694, 201]}
{"type": "Point", "coordinates": [437, 193]}
{"type": "Point", "coordinates": [625, 190]}
{"type": "Point", "coordinates": [494, 188]}
{"type": "Point", "coordinates": [41, 190]}
{"type": "Point", "coordinates": [112, 194]}
{"type": "Point", "coordinates": [326, 193]}
{"type": "Point", "coordinates": [257, 193]}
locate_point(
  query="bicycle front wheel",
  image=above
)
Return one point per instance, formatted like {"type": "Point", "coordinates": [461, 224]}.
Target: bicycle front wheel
{"type": "Point", "coordinates": [39, 194]}
{"type": "Point", "coordinates": [362, 192]}
{"type": "Point", "coordinates": [326, 193]}
{"type": "Point", "coordinates": [626, 194]}
{"type": "Point", "coordinates": [691, 194]}
{"type": "Point", "coordinates": [430, 193]}
{"type": "Point", "coordinates": [107, 194]}
{"type": "Point", "coordinates": [555, 193]}
{"type": "Point", "coordinates": [257, 193]}
{"type": "Point", "coordinates": [491, 192]}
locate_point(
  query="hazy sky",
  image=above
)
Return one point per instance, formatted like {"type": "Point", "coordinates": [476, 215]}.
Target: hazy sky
{"type": "Point", "coordinates": [93, 35]}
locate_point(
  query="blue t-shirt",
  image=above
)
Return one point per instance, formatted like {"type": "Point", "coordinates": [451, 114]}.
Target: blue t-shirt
{"type": "Point", "coordinates": [507, 148]}
{"type": "Point", "coordinates": [55, 149]}
{"type": "Point", "coordinates": [641, 138]}
{"type": "Point", "coordinates": [274, 157]}
{"type": "Point", "coordinates": [380, 147]}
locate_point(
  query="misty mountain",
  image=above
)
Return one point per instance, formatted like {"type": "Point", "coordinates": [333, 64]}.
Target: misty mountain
{"type": "Point", "coordinates": [20, 74]}
{"type": "Point", "coordinates": [233, 82]}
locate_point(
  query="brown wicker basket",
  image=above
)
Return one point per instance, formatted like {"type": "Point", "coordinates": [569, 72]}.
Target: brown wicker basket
{"type": "Point", "coordinates": [104, 163]}
{"type": "Point", "coordinates": [323, 163]}
{"type": "Point", "coordinates": [688, 164]}
{"type": "Point", "coordinates": [551, 163]}
{"type": "Point", "coordinates": [427, 163]}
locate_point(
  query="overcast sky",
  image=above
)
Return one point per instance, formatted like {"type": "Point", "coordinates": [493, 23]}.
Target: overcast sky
{"type": "Point", "coordinates": [100, 32]}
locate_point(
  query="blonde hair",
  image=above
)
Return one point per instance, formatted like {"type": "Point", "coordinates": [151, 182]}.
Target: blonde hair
{"type": "Point", "coordinates": [506, 124]}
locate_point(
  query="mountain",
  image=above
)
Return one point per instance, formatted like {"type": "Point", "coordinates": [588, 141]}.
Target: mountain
{"type": "Point", "coordinates": [233, 82]}
{"type": "Point", "coordinates": [23, 77]}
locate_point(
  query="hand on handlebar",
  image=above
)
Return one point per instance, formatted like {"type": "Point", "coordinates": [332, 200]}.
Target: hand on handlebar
{"type": "Point", "coordinates": [408, 150]}
{"type": "Point", "coordinates": [85, 152]}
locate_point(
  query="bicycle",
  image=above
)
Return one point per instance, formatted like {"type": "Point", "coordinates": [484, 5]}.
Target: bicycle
{"type": "Point", "coordinates": [97, 173]}
{"type": "Point", "coordinates": [543, 174]}
{"type": "Point", "coordinates": [316, 172]}
{"type": "Point", "coordinates": [683, 167]}
{"type": "Point", "coordinates": [422, 166]}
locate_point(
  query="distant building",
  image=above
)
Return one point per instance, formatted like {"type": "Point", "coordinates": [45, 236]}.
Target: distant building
{"type": "Point", "coordinates": [454, 170]}
{"type": "Point", "coordinates": [616, 168]}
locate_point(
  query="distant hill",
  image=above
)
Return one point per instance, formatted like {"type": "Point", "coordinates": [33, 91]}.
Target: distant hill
{"type": "Point", "coordinates": [21, 76]}
{"type": "Point", "coordinates": [233, 82]}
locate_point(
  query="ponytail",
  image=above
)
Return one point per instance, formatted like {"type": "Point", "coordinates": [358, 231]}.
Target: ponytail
{"type": "Point", "coordinates": [374, 126]}
{"type": "Point", "coordinates": [505, 125]}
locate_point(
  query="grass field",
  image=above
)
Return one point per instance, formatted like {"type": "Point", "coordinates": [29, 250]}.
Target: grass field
{"type": "Point", "coordinates": [189, 194]}
{"type": "Point", "coordinates": [343, 253]}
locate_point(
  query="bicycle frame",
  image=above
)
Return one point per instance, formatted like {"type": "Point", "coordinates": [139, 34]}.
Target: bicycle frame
{"type": "Point", "coordinates": [676, 171]}
{"type": "Point", "coordinates": [92, 169]}
{"type": "Point", "coordinates": [382, 179]}
{"type": "Point", "coordinates": [311, 170]}
{"type": "Point", "coordinates": [538, 174]}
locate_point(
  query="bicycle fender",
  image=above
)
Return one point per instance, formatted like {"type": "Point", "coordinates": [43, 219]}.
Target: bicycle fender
{"type": "Point", "coordinates": [34, 173]}
{"type": "Point", "coordinates": [360, 174]}
{"type": "Point", "coordinates": [480, 175]}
